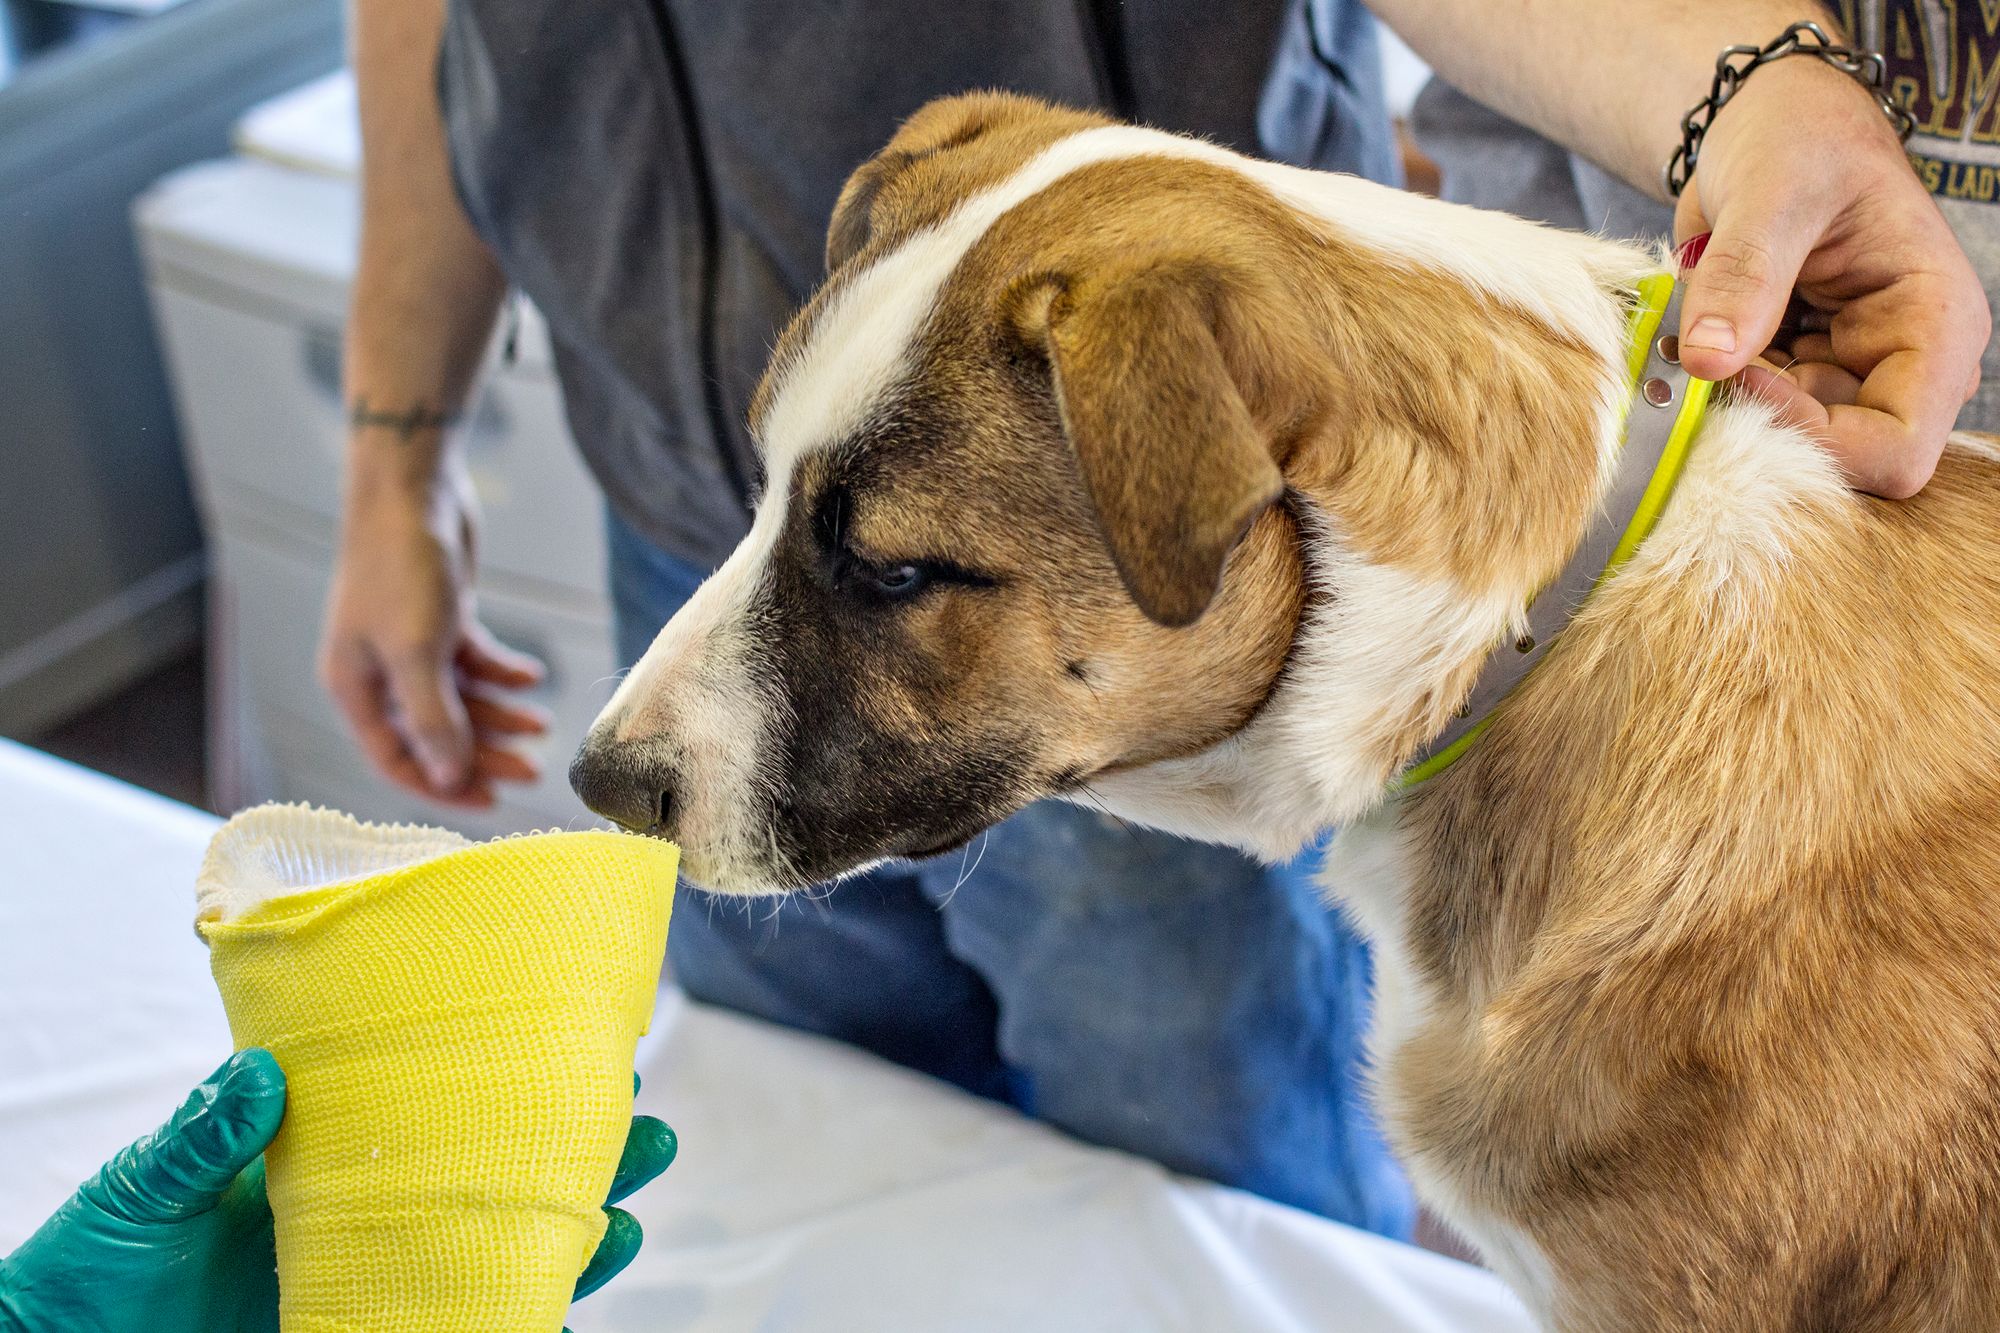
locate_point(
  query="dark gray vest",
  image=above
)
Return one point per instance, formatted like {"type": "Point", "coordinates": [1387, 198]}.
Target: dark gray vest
{"type": "Point", "coordinates": [657, 175]}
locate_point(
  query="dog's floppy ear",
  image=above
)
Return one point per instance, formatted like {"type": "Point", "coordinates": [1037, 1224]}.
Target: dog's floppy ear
{"type": "Point", "coordinates": [938, 126]}
{"type": "Point", "coordinates": [849, 230]}
{"type": "Point", "coordinates": [1174, 463]}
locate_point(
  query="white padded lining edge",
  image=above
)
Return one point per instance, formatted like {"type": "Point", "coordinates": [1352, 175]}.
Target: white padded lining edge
{"type": "Point", "coordinates": [271, 851]}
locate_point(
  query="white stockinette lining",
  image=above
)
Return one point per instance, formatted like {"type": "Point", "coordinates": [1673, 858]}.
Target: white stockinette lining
{"type": "Point", "coordinates": [271, 851]}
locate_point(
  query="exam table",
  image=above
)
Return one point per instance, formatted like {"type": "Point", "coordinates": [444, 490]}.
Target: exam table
{"type": "Point", "coordinates": [818, 1190]}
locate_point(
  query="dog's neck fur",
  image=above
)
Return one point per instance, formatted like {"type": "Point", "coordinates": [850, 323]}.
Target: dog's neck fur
{"type": "Point", "coordinates": [1385, 654]}
{"type": "Point", "coordinates": [1456, 881]}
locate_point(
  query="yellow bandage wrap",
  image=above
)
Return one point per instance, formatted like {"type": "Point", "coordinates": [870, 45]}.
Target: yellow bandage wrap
{"type": "Point", "coordinates": [456, 1024]}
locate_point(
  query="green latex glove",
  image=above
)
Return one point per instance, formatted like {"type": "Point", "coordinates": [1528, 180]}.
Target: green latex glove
{"type": "Point", "coordinates": [173, 1235]}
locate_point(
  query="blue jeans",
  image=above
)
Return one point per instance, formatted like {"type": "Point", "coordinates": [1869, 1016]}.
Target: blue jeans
{"type": "Point", "coordinates": [1168, 998]}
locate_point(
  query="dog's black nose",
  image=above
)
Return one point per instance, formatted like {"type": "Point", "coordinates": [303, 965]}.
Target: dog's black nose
{"type": "Point", "coordinates": [622, 784]}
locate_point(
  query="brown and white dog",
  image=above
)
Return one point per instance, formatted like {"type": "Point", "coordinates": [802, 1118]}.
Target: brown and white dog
{"type": "Point", "coordinates": [1112, 465]}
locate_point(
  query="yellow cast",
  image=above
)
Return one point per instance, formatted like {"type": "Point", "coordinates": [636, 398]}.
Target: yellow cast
{"type": "Point", "coordinates": [456, 1024]}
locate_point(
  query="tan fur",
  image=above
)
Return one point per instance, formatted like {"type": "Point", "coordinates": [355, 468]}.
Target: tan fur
{"type": "Point", "coordinates": [1722, 1000]}
{"type": "Point", "coordinates": [1076, 664]}
{"type": "Point", "coordinates": [1358, 373]}
{"type": "Point", "coordinates": [1357, 378]}
{"type": "Point", "coordinates": [1698, 949]}
{"type": "Point", "coordinates": [1713, 908]}
{"type": "Point", "coordinates": [950, 149]}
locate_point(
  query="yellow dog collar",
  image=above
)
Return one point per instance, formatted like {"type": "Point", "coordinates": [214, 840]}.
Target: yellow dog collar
{"type": "Point", "coordinates": [1650, 460]}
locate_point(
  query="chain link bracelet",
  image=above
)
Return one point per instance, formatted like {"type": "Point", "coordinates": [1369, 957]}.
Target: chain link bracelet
{"type": "Point", "coordinates": [1734, 65]}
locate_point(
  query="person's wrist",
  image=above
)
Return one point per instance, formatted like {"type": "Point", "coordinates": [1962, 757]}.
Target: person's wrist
{"type": "Point", "coordinates": [1800, 93]}
{"type": "Point", "coordinates": [389, 494]}
{"type": "Point", "coordinates": [399, 471]}
{"type": "Point", "coordinates": [1755, 134]}
{"type": "Point", "coordinates": [393, 514]}
{"type": "Point", "coordinates": [398, 441]}
{"type": "Point", "coordinates": [1805, 90]}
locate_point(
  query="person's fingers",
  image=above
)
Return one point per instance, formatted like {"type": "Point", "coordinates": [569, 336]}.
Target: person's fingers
{"type": "Point", "coordinates": [432, 717]}
{"type": "Point", "coordinates": [403, 772]}
{"type": "Point", "coordinates": [1810, 318]}
{"type": "Point", "coordinates": [476, 793]}
{"type": "Point", "coordinates": [1892, 370]}
{"type": "Point", "coordinates": [484, 658]}
{"type": "Point", "coordinates": [650, 1148]}
{"type": "Point", "coordinates": [1737, 293]}
{"type": "Point", "coordinates": [622, 1237]}
{"type": "Point", "coordinates": [1889, 439]}
{"type": "Point", "coordinates": [1916, 344]}
{"type": "Point", "coordinates": [1795, 407]}
{"type": "Point", "coordinates": [1877, 452]}
{"type": "Point", "coordinates": [491, 715]}
{"type": "Point", "coordinates": [1911, 314]}
{"type": "Point", "coordinates": [184, 1167]}
{"type": "Point", "coordinates": [496, 763]}
{"type": "Point", "coordinates": [491, 764]}
{"type": "Point", "coordinates": [1831, 385]}
{"type": "Point", "coordinates": [360, 693]}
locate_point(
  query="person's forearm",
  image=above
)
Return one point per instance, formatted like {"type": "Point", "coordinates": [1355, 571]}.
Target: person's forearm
{"type": "Point", "coordinates": [1608, 80]}
{"type": "Point", "coordinates": [426, 289]}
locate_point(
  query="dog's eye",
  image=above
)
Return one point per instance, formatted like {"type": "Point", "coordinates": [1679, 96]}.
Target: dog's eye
{"type": "Point", "coordinates": [896, 581]}
{"type": "Point", "coordinates": [899, 580]}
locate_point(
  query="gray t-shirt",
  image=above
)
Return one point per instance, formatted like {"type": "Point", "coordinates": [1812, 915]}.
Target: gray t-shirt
{"type": "Point", "coordinates": [1936, 52]}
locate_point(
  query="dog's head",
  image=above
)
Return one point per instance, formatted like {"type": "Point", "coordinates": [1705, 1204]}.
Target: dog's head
{"type": "Point", "coordinates": [1025, 522]}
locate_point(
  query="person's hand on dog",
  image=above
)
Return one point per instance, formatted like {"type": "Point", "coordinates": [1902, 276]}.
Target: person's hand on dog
{"type": "Point", "coordinates": [421, 682]}
{"type": "Point", "coordinates": [1804, 186]}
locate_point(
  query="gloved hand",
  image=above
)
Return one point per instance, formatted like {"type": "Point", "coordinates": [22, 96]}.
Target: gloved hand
{"type": "Point", "coordinates": [173, 1235]}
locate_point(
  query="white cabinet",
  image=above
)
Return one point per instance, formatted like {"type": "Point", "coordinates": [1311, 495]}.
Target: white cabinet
{"type": "Point", "coordinates": [248, 263]}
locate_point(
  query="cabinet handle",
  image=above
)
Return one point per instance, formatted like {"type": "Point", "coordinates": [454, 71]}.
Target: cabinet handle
{"type": "Point", "coordinates": [487, 426]}
{"type": "Point", "coordinates": [319, 353]}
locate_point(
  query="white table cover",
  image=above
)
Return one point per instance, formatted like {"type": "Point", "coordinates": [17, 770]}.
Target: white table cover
{"type": "Point", "coordinates": [819, 1190]}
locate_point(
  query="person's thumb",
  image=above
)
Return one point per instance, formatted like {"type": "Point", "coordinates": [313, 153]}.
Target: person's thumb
{"type": "Point", "coordinates": [1737, 293]}
{"type": "Point", "coordinates": [183, 1168]}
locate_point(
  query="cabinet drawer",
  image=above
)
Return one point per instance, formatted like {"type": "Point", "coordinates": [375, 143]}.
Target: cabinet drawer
{"type": "Point", "coordinates": [276, 595]}
{"type": "Point", "coordinates": [260, 405]}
